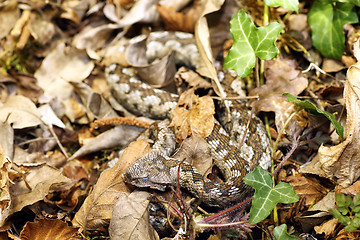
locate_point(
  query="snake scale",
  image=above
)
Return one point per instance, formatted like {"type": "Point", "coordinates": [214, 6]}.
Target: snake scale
{"type": "Point", "coordinates": [158, 170]}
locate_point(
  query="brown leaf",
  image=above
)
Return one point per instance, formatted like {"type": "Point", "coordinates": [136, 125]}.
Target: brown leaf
{"type": "Point", "coordinates": [48, 229]}
{"type": "Point", "coordinates": [97, 208]}
{"type": "Point", "coordinates": [61, 65]}
{"type": "Point", "coordinates": [35, 185]}
{"type": "Point", "coordinates": [193, 115]}
{"type": "Point", "coordinates": [195, 151]}
{"type": "Point", "coordinates": [8, 18]}
{"type": "Point", "coordinates": [20, 111]}
{"type": "Point", "coordinates": [341, 163]}
{"type": "Point", "coordinates": [191, 78]}
{"type": "Point", "coordinates": [117, 136]}
{"type": "Point", "coordinates": [179, 21]}
{"type": "Point", "coordinates": [202, 33]}
{"type": "Point", "coordinates": [308, 188]}
{"type": "Point", "coordinates": [281, 77]}
{"type": "Point", "coordinates": [130, 218]}
{"type": "Point", "coordinates": [327, 227]}
{"type": "Point", "coordinates": [332, 65]}
{"type": "Point", "coordinates": [5, 198]}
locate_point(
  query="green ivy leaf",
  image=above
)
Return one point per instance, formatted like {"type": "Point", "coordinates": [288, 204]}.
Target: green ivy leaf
{"type": "Point", "coordinates": [311, 108]}
{"type": "Point", "coordinates": [326, 19]}
{"type": "Point", "coordinates": [355, 2]}
{"type": "Point", "coordinates": [292, 5]}
{"type": "Point", "coordinates": [250, 42]}
{"type": "Point", "coordinates": [280, 233]}
{"type": "Point", "coordinates": [266, 196]}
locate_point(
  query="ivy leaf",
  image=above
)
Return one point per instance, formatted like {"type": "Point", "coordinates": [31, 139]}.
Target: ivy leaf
{"type": "Point", "coordinates": [292, 5]}
{"type": "Point", "coordinates": [311, 108]}
{"type": "Point", "coordinates": [250, 42]}
{"type": "Point", "coordinates": [326, 19]}
{"type": "Point", "coordinates": [280, 233]}
{"type": "Point", "coordinates": [266, 196]}
{"type": "Point", "coordinates": [355, 2]}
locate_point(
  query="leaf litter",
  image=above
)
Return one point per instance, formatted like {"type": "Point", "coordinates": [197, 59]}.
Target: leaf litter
{"type": "Point", "coordinates": [52, 57]}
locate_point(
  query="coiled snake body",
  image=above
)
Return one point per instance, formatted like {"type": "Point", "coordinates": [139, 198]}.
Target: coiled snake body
{"type": "Point", "coordinates": [158, 170]}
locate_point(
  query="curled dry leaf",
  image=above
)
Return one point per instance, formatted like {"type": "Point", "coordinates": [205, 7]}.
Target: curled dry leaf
{"type": "Point", "coordinates": [327, 227]}
{"type": "Point", "coordinates": [202, 36]}
{"type": "Point", "coordinates": [35, 185]}
{"type": "Point", "coordinates": [95, 103]}
{"type": "Point", "coordinates": [130, 218]}
{"type": "Point", "coordinates": [20, 111]}
{"type": "Point", "coordinates": [48, 229]}
{"type": "Point", "coordinates": [117, 136]}
{"type": "Point", "coordinates": [5, 198]}
{"type": "Point", "coordinates": [193, 115]}
{"type": "Point", "coordinates": [191, 78]}
{"type": "Point", "coordinates": [341, 163]}
{"type": "Point", "coordinates": [97, 208]}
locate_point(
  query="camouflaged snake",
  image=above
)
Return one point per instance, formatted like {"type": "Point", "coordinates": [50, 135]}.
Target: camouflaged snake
{"type": "Point", "coordinates": [158, 170]}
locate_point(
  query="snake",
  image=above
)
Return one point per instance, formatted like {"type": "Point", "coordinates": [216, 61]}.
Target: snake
{"type": "Point", "coordinates": [236, 146]}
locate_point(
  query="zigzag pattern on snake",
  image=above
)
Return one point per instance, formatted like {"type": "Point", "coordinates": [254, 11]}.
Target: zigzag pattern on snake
{"type": "Point", "coordinates": [158, 170]}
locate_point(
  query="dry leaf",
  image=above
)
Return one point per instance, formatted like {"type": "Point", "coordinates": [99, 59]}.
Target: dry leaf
{"type": "Point", "coordinates": [5, 198]}
{"type": "Point", "coordinates": [115, 137]}
{"type": "Point", "coordinates": [179, 21]}
{"type": "Point", "coordinates": [20, 111]}
{"type": "Point", "coordinates": [327, 227]}
{"type": "Point", "coordinates": [191, 78]}
{"type": "Point", "coordinates": [8, 17]}
{"type": "Point", "coordinates": [193, 115]}
{"type": "Point", "coordinates": [130, 218]}
{"type": "Point", "coordinates": [41, 29]}
{"type": "Point", "coordinates": [195, 151]}
{"type": "Point", "coordinates": [307, 188]}
{"type": "Point", "coordinates": [49, 117]}
{"type": "Point", "coordinates": [340, 163]}
{"type": "Point", "coordinates": [60, 66]}
{"type": "Point", "coordinates": [281, 77]}
{"type": "Point", "coordinates": [202, 37]}
{"type": "Point", "coordinates": [48, 229]}
{"type": "Point", "coordinates": [332, 65]}
{"type": "Point", "coordinates": [96, 210]}
{"type": "Point", "coordinates": [39, 180]}
{"type": "Point", "coordinates": [95, 103]}
{"type": "Point", "coordinates": [27, 85]}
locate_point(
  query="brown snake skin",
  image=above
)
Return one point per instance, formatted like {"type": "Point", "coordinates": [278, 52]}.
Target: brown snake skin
{"type": "Point", "coordinates": [158, 170]}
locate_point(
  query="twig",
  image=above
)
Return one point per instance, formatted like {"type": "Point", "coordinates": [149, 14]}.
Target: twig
{"type": "Point", "coordinates": [287, 156]}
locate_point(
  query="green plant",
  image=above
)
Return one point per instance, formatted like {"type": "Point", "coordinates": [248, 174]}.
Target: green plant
{"type": "Point", "coordinates": [280, 233]}
{"type": "Point", "coordinates": [326, 20]}
{"type": "Point", "coordinates": [251, 42]}
{"type": "Point", "coordinates": [311, 108]}
{"type": "Point", "coordinates": [347, 211]}
{"type": "Point", "coordinates": [266, 194]}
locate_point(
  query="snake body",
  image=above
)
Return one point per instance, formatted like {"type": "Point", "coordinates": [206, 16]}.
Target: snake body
{"type": "Point", "coordinates": [158, 170]}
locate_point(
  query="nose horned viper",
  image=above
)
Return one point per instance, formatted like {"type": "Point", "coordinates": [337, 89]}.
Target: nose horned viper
{"type": "Point", "coordinates": [158, 170]}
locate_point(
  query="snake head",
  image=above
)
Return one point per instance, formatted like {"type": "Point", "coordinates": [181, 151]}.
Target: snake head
{"type": "Point", "coordinates": [149, 171]}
